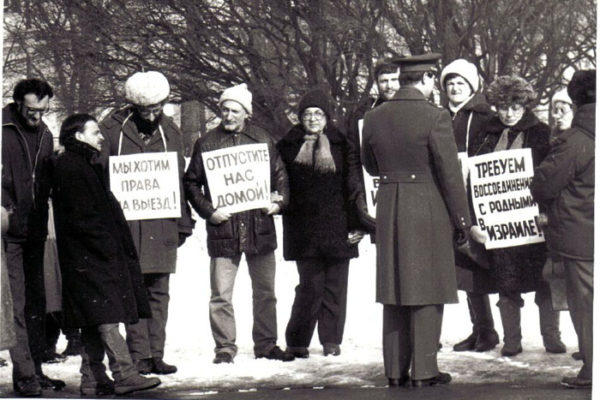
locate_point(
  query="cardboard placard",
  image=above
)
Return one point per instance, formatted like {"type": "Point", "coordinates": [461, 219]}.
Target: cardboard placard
{"type": "Point", "coordinates": [239, 177]}
{"type": "Point", "coordinates": [146, 185]}
{"type": "Point", "coordinates": [502, 199]}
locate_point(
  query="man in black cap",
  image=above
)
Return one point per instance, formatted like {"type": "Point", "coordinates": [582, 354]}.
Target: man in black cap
{"type": "Point", "coordinates": [565, 182]}
{"type": "Point", "coordinates": [421, 206]}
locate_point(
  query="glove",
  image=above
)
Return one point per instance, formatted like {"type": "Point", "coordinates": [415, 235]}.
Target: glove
{"type": "Point", "coordinates": [364, 218]}
{"type": "Point", "coordinates": [182, 238]}
{"type": "Point", "coordinates": [460, 237]}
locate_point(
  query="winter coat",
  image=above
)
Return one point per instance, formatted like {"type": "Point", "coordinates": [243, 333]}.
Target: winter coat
{"type": "Point", "coordinates": [253, 231]}
{"type": "Point", "coordinates": [469, 122]}
{"type": "Point", "coordinates": [421, 200]}
{"type": "Point", "coordinates": [323, 207]}
{"type": "Point", "coordinates": [8, 337]}
{"type": "Point", "coordinates": [565, 182]}
{"type": "Point", "coordinates": [156, 240]}
{"type": "Point", "coordinates": [25, 181]}
{"type": "Point", "coordinates": [518, 268]}
{"type": "Point", "coordinates": [101, 277]}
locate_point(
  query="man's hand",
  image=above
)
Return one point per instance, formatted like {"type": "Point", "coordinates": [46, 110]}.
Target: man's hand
{"type": "Point", "coordinates": [218, 217]}
{"type": "Point", "coordinates": [276, 197]}
{"type": "Point", "coordinates": [273, 209]}
{"type": "Point", "coordinates": [355, 236]}
{"type": "Point", "coordinates": [478, 234]}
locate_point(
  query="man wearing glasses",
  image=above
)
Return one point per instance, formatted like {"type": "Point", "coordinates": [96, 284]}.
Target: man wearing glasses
{"type": "Point", "coordinates": [142, 127]}
{"type": "Point", "coordinates": [27, 147]}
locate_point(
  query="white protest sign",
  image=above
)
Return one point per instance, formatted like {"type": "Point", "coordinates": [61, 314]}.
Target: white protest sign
{"type": "Point", "coordinates": [239, 177]}
{"type": "Point", "coordinates": [146, 185]}
{"type": "Point", "coordinates": [502, 200]}
{"type": "Point", "coordinates": [371, 182]}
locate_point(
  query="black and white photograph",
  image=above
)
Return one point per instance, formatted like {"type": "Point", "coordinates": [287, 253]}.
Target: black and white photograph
{"type": "Point", "coordinates": [298, 199]}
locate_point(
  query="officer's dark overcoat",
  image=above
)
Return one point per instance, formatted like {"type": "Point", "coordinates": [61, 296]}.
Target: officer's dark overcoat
{"type": "Point", "coordinates": [421, 200]}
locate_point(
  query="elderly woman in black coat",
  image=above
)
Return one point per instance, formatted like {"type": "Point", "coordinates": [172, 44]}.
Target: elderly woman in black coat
{"type": "Point", "coordinates": [518, 269]}
{"type": "Point", "coordinates": [321, 227]}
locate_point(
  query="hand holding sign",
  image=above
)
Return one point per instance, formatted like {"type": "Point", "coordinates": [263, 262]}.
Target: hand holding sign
{"type": "Point", "coordinates": [477, 234]}
{"type": "Point", "coordinates": [218, 217]}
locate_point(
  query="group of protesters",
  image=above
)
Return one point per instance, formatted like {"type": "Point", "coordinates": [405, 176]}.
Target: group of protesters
{"type": "Point", "coordinates": [429, 244]}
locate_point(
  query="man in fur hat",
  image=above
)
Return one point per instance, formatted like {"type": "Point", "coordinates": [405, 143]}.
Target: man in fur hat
{"type": "Point", "coordinates": [142, 127]}
{"type": "Point", "coordinates": [229, 235]}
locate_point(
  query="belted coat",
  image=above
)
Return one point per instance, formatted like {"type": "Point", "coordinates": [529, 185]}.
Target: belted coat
{"type": "Point", "coordinates": [156, 240]}
{"type": "Point", "coordinates": [421, 201]}
{"type": "Point", "coordinates": [101, 278]}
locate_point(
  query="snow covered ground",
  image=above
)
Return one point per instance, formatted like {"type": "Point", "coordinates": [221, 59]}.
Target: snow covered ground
{"type": "Point", "coordinates": [190, 344]}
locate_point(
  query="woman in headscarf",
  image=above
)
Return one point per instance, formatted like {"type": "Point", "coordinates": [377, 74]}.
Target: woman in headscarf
{"type": "Point", "coordinates": [518, 269]}
{"type": "Point", "coordinates": [321, 227]}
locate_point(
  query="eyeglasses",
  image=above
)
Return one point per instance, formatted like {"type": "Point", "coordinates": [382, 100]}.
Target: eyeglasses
{"type": "Point", "coordinates": [155, 109]}
{"type": "Point", "coordinates": [32, 112]}
{"type": "Point", "coordinates": [313, 115]}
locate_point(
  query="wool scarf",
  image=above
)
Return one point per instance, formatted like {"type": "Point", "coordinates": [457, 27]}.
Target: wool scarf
{"type": "Point", "coordinates": [316, 152]}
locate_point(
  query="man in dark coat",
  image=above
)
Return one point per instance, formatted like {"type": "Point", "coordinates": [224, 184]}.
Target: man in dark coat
{"type": "Point", "coordinates": [27, 146]}
{"type": "Point", "coordinates": [142, 127]}
{"type": "Point", "coordinates": [421, 205]}
{"type": "Point", "coordinates": [470, 115]}
{"type": "Point", "coordinates": [102, 281]}
{"type": "Point", "coordinates": [565, 182]}
{"type": "Point", "coordinates": [229, 235]}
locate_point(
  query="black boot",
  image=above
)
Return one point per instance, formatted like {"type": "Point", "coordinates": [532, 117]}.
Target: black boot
{"type": "Point", "coordinates": [510, 313]}
{"type": "Point", "coordinates": [467, 344]}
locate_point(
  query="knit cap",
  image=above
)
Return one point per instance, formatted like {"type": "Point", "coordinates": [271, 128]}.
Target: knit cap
{"type": "Point", "coordinates": [563, 96]}
{"type": "Point", "coordinates": [146, 88]}
{"type": "Point", "coordinates": [314, 98]}
{"type": "Point", "coordinates": [464, 69]}
{"type": "Point", "coordinates": [239, 94]}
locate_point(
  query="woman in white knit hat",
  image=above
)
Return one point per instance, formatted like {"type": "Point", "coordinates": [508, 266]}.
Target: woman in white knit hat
{"type": "Point", "coordinates": [470, 115]}
{"type": "Point", "coordinates": [562, 111]}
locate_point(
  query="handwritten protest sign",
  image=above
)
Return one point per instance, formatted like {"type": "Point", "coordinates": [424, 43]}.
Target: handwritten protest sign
{"type": "Point", "coordinates": [371, 182]}
{"type": "Point", "coordinates": [146, 185]}
{"type": "Point", "coordinates": [502, 200]}
{"type": "Point", "coordinates": [239, 177]}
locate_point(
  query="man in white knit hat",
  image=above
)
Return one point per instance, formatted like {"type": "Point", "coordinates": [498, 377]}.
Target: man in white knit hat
{"type": "Point", "coordinates": [142, 127]}
{"type": "Point", "coordinates": [229, 235]}
{"type": "Point", "coordinates": [470, 115]}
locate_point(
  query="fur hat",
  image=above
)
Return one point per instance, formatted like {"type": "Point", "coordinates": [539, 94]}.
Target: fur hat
{"type": "Point", "coordinates": [239, 94]}
{"type": "Point", "coordinates": [510, 89]}
{"type": "Point", "coordinates": [561, 95]}
{"type": "Point", "coordinates": [582, 88]}
{"type": "Point", "coordinates": [314, 98]}
{"type": "Point", "coordinates": [464, 69]}
{"type": "Point", "coordinates": [146, 88]}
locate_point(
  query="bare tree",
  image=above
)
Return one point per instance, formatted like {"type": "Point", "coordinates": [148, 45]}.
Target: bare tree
{"type": "Point", "coordinates": [281, 48]}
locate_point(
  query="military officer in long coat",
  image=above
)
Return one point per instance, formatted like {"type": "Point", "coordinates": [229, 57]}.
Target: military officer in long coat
{"type": "Point", "coordinates": [421, 208]}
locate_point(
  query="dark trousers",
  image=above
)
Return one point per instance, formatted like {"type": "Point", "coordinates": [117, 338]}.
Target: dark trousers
{"type": "Point", "coordinates": [580, 296]}
{"type": "Point", "coordinates": [411, 335]}
{"type": "Point", "coordinates": [480, 312]}
{"type": "Point", "coordinates": [25, 262]}
{"type": "Point", "coordinates": [320, 299]}
{"type": "Point", "coordinates": [146, 339]}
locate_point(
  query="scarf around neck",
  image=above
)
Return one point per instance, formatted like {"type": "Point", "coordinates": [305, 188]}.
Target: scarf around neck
{"type": "Point", "coordinates": [316, 152]}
